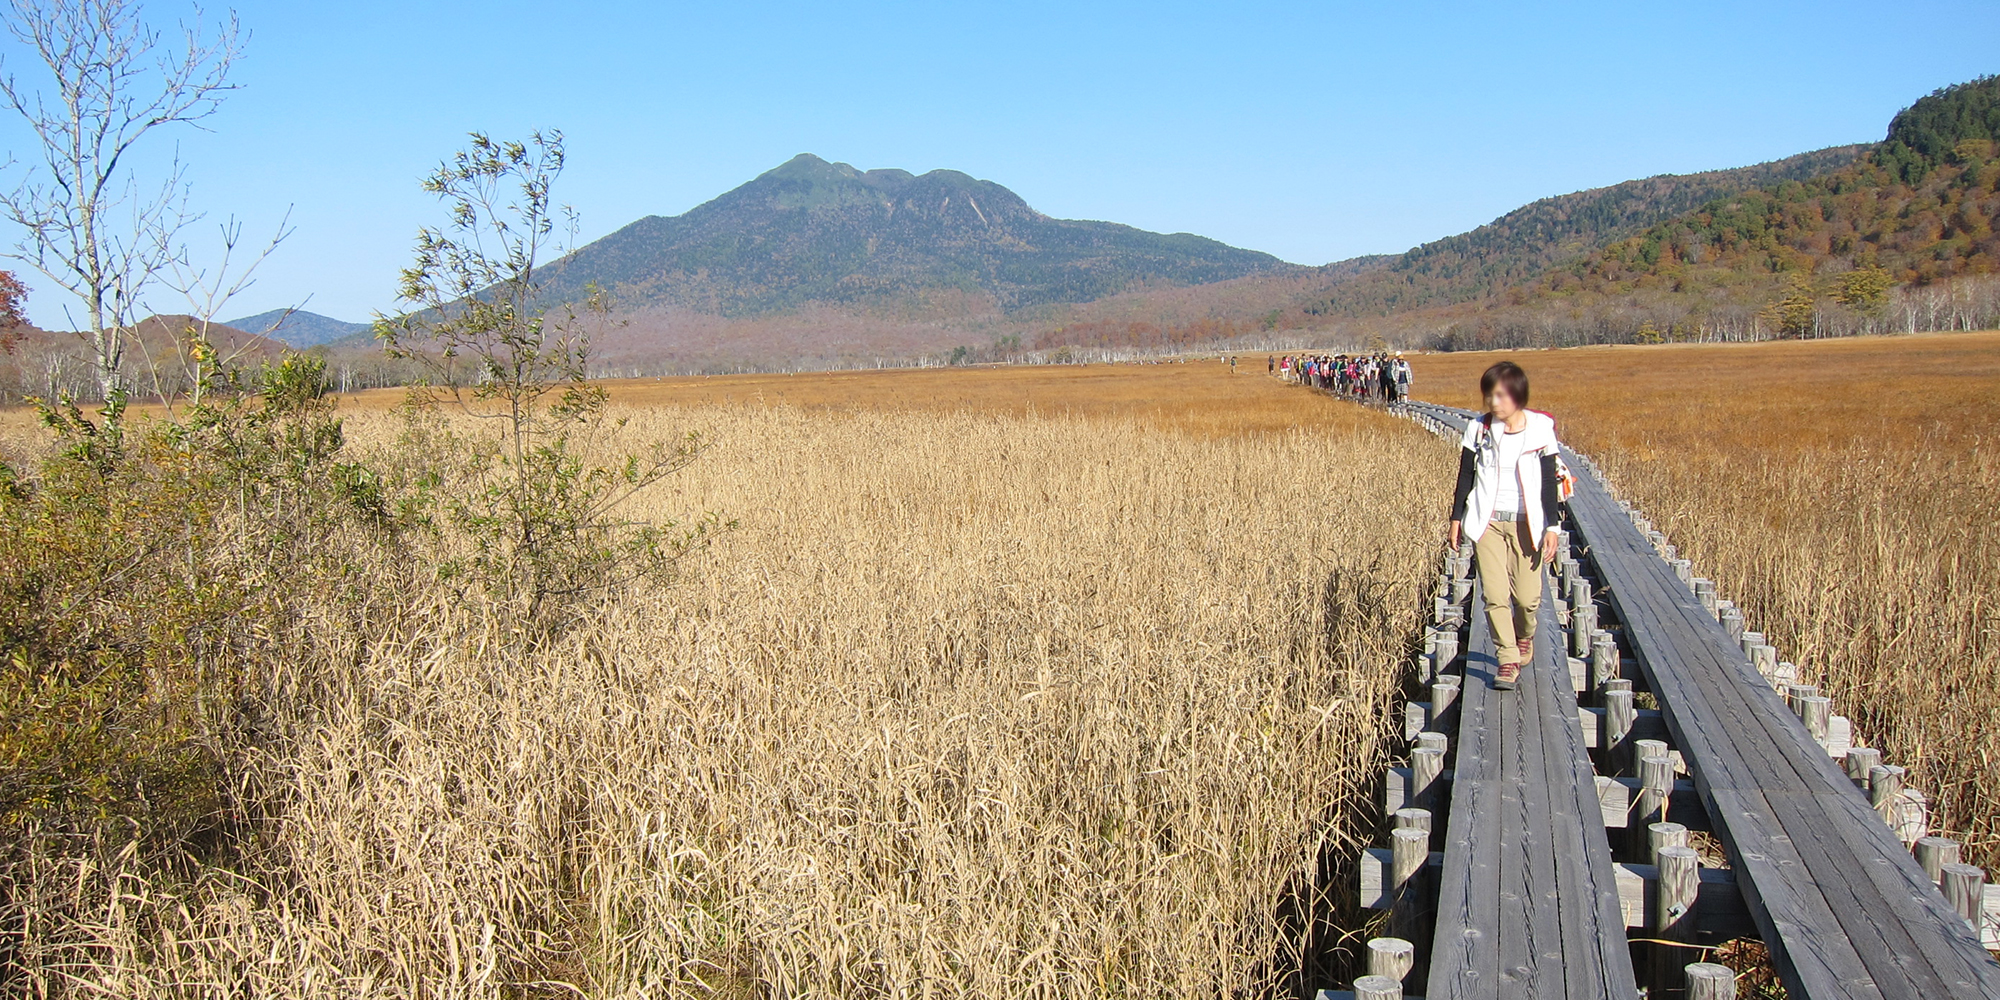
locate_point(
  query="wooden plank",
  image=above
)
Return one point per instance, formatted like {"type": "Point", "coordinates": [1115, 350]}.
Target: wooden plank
{"type": "Point", "coordinates": [1528, 902]}
{"type": "Point", "coordinates": [1468, 903]}
{"type": "Point", "coordinates": [1595, 957]}
{"type": "Point", "coordinates": [1465, 946]}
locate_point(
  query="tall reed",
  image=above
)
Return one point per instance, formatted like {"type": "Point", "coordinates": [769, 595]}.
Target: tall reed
{"type": "Point", "coordinates": [969, 705]}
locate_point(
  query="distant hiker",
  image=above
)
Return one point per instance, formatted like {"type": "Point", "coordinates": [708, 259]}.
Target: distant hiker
{"type": "Point", "coordinates": [1505, 504]}
{"type": "Point", "coordinates": [1403, 378]}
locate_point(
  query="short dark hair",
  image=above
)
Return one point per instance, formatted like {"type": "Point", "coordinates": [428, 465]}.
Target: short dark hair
{"type": "Point", "coordinates": [1509, 376]}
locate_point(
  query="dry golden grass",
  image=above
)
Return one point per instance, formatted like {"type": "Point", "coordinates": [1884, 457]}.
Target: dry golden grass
{"type": "Point", "coordinates": [976, 702]}
{"type": "Point", "coordinates": [1844, 493]}
{"type": "Point", "coordinates": [1198, 396]}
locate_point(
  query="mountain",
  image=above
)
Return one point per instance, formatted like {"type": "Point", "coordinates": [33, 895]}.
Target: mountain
{"type": "Point", "coordinates": [886, 242]}
{"type": "Point", "coordinates": [1916, 216]}
{"type": "Point", "coordinates": [1403, 296]}
{"type": "Point", "coordinates": [1529, 240]}
{"type": "Point", "coordinates": [298, 328]}
{"type": "Point", "coordinates": [53, 363]}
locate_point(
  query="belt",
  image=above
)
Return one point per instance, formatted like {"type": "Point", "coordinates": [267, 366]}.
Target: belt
{"type": "Point", "coordinates": [1508, 516]}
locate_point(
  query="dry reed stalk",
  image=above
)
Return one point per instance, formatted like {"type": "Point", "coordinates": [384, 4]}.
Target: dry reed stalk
{"type": "Point", "coordinates": [971, 705]}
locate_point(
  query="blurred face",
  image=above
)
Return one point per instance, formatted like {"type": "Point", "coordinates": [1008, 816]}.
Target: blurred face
{"type": "Point", "coordinates": [1501, 403]}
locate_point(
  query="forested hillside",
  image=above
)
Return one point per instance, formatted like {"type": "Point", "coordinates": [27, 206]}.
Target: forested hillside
{"type": "Point", "coordinates": [1821, 254]}
{"type": "Point", "coordinates": [1395, 296]}
{"type": "Point", "coordinates": [1524, 243]}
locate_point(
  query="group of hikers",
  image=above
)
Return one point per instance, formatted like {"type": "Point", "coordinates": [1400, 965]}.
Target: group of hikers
{"type": "Point", "coordinates": [1381, 378]}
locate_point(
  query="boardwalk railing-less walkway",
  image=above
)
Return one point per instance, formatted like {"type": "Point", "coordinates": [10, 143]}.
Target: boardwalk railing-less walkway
{"type": "Point", "coordinates": [1527, 900]}
{"type": "Point", "coordinates": [1545, 866]}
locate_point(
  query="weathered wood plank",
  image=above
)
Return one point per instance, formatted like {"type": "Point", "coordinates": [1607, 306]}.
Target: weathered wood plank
{"type": "Point", "coordinates": [1529, 903]}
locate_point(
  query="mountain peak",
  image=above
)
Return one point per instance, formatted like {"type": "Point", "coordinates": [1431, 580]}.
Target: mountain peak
{"type": "Point", "coordinates": [814, 231]}
{"type": "Point", "coordinates": [806, 166]}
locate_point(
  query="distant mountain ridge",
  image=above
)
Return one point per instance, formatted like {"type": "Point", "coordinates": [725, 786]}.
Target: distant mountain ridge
{"type": "Point", "coordinates": [942, 243]}
{"type": "Point", "coordinates": [298, 328]}
{"type": "Point", "coordinates": [1527, 241]}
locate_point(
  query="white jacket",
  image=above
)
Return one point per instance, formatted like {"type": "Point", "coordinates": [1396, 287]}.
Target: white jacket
{"type": "Point", "coordinates": [1541, 432]}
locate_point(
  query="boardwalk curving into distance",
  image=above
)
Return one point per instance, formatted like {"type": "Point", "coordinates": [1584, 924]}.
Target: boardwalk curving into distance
{"type": "Point", "coordinates": [1545, 866]}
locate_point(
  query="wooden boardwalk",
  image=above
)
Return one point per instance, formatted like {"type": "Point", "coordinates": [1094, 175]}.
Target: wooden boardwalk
{"type": "Point", "coordinates": [1842, 905]}
{"type": "Point", "coordinates": [1528, 900]}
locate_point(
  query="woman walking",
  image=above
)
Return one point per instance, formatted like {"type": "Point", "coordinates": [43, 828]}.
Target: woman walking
{"type": "Point", "coordinates": [1505, 504]}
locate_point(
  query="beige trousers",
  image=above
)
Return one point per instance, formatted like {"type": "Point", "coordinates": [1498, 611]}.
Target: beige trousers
{"type": "Point", "coordinates": [1510, 575]}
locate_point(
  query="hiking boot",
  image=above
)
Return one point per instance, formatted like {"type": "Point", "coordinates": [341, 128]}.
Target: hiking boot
{"type": "Point", "coordinates": [1527, 648]}
{"type": "Point", "coordinates": [1508, 678]}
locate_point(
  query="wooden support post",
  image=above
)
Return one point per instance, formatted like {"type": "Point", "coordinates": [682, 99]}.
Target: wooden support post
{"type": "Point", "coordinates": [1656, 782]}
{"type": "Point", "coordinates": [1786, 672]}
{"type": "Point", "coordinates": [1965, 889]}
{"type": "Point", "coordinates": [1750, 641]}
{"type": "Point", "coordinates": [1413, 818]}
{"type": "Point", "coordinates": [1709, 981]}
{"type": "Point", "coordinates": [1603, 662]}
{"type": "Point", "coordinates": [1378, 988]}
{"type": "Point", "coordinates": [1684, 569]}
{"type": "Point", "coordinates": [1444, 691]}
{"type": "Point", "coordinates": [1732, 623]}
{"type": "Point", "coordinates": [1933, 853]}
{"type": "Point", "coordinates": [1861, 761]}
{"type": "Point", "coordinates": [1582, 625]}
{"type": "Point", "coordinates": [1461, 589]}
{"type": "Point", "coordinates": [1664, 835]}
{"type": "Point", "coordinates": [1426, 766]}
{"type": "Point", "coordinates": [1619, 715]}
{"type": "Point", "coordinates": [1390, 957]}
{"type": "Point", "coordinates": [1885, 785]}
{"type": "Point", "coordinates": [1446, 655]}
{"type": "Point", "coordinates": [1793, 692]}
{"type": "Point", "coordinates": [1409, 849]}
{"type": "Point", "coordinates": [1672, 918]}
{"type": "Point", "coordinates": [1704, 590]}
{"type": "Point", "coordinates": [1817, 713]}
{"type": "Point", "coordinates": [1765, 659]}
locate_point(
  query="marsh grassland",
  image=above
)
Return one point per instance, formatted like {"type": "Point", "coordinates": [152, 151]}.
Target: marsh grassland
{"type": "Point", "coordinates": [1000, 698]}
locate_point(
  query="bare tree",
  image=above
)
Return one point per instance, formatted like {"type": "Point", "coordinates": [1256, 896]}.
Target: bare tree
{"type": "Point", "coordinates": [88, 224]}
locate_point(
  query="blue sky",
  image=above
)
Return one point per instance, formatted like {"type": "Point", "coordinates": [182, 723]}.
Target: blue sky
{"type": "Point", "coordinates": [1314, 131]}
